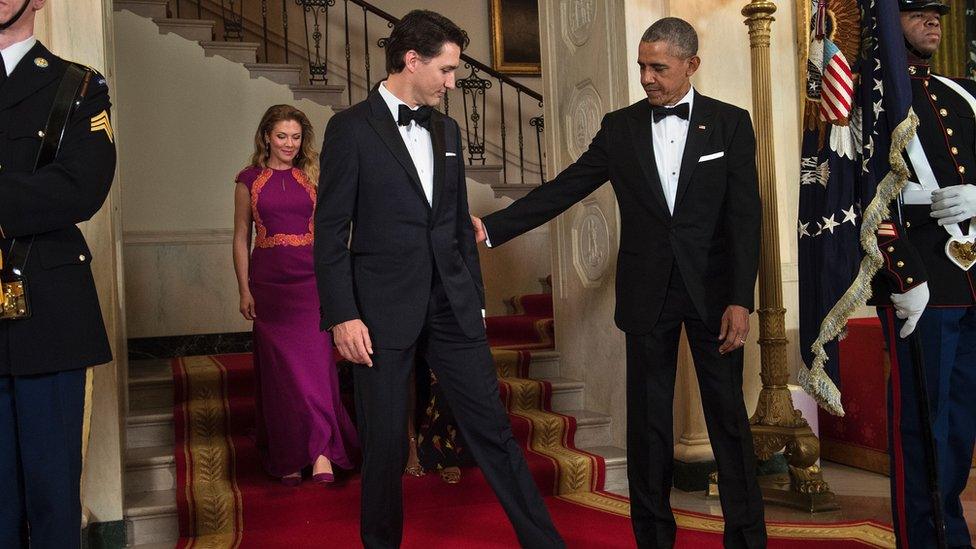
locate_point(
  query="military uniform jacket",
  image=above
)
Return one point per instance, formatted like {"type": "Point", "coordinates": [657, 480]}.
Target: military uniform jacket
{"type": "Point", "coordinates": [913, 243]}
{"type": "Point", "coordinates": [65, 330]}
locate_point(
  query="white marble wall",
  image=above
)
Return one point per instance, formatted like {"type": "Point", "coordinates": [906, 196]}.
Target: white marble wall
{"type": "Point", "coordinates": [81, 31]}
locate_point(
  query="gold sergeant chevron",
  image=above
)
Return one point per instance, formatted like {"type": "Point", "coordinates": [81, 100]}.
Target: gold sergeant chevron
{"type": "Point", "coordinates": [101, 123]}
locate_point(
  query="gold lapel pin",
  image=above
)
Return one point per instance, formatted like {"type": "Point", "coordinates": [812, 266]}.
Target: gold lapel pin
{"type": "Point", "coordinates": [40, 62]}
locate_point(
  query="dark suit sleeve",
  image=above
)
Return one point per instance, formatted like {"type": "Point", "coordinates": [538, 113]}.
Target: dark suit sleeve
{"type": "Point", "coordinates": [553, 198]}
{"type": "Point", "coordinates": [465, 231]}
{"type": "Point", "coordinates": [337, 193]}
{"type": "Point", "coordinates": [73, 187]}
{"type": "Point", "coordinates": [743, 213]}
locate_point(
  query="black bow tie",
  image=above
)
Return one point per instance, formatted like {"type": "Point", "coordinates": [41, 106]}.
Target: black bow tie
{"type": "Point", "coordinates": [421, 116]}
{"type": "Point", "coordinates": [661, 112]}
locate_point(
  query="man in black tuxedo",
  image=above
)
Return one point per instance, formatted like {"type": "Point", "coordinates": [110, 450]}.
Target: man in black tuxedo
{"type": "Point", "coordinates": [44, 359]}
{"type": "Point", "coordinates": [408, 281]}
{"type": "Point", "coordinates": [683, 168]}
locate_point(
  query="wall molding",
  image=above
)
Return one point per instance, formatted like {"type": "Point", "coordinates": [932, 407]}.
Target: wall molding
{"type": "Point", "coordinates": [177, 238]}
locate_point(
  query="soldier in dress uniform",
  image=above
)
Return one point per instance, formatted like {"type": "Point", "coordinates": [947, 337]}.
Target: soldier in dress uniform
{"type": "Point", "coordinates": [926, 285]}
{"type": "Point", "coordinates": [44, 359]}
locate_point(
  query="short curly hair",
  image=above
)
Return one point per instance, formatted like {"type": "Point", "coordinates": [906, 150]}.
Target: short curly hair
{"type": "Point", "coordinates": [678, 33]}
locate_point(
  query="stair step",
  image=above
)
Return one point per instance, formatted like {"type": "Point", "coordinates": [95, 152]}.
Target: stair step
{"type": "Point", "coordinates": [287, 74]}
{"type": "Point", "coordinates": [332, 96]}
{"type": "Point", "coordinates": [150, 385]}
{"type": "Point", "coordinates": [146, 8]}
{"type": "Point", "coordinates": [544, 364]}
{"type": "Point", "coordinates": [160, 545]}
{"type": "Point", "coordinates": [240, 52]}
{"type": "Point", "coordinates": [616, 463]}
{"type": "Point", "coordinates": [488, 174]}
{"type": "Point", "coordinates": [592, 428]}
{"type": "Point", "coordinates": [567, 394]}
{"type": "Point", "coordinates": [151, 517]}
{"type": "Point", "coordinates": [150, 427]}
{"type": "Point", "coordinates": [150, 469]}
{"type": "Point", "coordinates": [197, 30]}
{"type": "Point", "coordinates": [512, 190]}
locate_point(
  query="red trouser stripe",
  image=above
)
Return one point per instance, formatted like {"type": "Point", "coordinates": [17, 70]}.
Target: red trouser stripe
{"type": "Point", "coordinates": [897, 457]}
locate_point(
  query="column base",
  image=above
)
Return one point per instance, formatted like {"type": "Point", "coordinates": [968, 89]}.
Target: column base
{"type": "Point", "coordinates": [693, 476]}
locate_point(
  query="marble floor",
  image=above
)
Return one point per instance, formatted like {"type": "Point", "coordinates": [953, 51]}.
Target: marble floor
{"type": "Point", "coordinates": [862, 495]}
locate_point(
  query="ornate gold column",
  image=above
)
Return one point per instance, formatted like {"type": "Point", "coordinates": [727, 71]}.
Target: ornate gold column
{"type": "Point", "coordinates": [777, 424]}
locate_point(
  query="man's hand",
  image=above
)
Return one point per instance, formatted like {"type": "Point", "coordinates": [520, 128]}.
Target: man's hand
{"type": "Point", "coordinates": [735, 328]}
{"type": "Point", "coordinates": [352, 339]}
{"type": "Point", "coordinates": [909, 306]}
{"type": "Point", "coordinates": [479, 230]}
{"type": "Point", "coordinates": [954, 204]}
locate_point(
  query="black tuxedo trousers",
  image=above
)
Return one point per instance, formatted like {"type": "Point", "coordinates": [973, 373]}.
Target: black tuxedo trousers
{"type": "Point", "coordinates": [652, 360]}
{"type": "Point", "coordinates": [466, 372]}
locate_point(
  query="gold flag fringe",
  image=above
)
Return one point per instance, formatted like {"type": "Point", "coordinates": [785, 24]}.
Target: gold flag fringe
{"type": "Point", "coordinates": [815, 381]}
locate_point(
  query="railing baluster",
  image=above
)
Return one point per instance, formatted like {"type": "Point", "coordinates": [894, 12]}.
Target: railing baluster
{"type": "Point", "coordinates": [538, 122]}
{"type": "Point", "coordinates": [318, 67]}
{"type": "Point", "coordinates": [521, 140]}
{"type": "Point", "coordinates": [284, 25]}
{"type": "Point", "coordinates": [501, 98]}
{"type": "Point", "coordinates": [366, 47]}
{"type": "Point", "coordinates": [348, 55]}
{"type": "Point", "coordinates": [199, 9]}
{"type": "Point", "coordinates": [264, 27]}
{"type": "Point", "coordinates": [177, 9]}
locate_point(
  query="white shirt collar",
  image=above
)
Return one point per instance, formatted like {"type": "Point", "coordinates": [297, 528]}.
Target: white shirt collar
{"type": "Point", "coordinates": [392, 102]}
{"type": "Point", "coordinates": [14, 53]}
{"type": "Point", "coordinates": [688, 98]}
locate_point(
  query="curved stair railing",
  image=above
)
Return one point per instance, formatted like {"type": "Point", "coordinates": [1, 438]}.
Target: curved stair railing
{"type": "Point", "coordinates": [490, 101]}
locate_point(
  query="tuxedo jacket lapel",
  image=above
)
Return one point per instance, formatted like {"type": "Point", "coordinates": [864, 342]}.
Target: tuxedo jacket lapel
{"type": "Point", "coordinates": [699, 128]}
{"type": "Point", "coordinates": [643, 139]}
{"type": "Point", "coordinates": [439, 147]}
{"type": "Point", "coordinates": [383, 123]}
{"type": "Point", "coordinates": [29, 76]}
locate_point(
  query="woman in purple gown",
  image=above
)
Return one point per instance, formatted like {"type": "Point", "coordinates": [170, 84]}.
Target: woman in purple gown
{"type": "Point", "coordinates": [301, 419]}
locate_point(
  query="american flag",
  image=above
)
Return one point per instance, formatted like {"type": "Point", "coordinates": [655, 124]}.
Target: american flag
{"type": "Point", "coordinates": [849, 171]}
{"type": "Point", "coordinates": [835, 75]}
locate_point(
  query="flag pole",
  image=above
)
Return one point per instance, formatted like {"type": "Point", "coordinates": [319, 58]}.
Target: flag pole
{"type": "Point", "coordinates": [776, 424]}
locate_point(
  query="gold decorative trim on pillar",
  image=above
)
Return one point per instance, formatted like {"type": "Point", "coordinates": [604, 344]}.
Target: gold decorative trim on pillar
{"type": "Point", "coordinates": [950, 59]}
{"type": "Point", "coordinates": [777, 425]}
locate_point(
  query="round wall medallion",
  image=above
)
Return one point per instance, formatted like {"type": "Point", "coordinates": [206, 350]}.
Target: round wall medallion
{"type": "Point", "coordinates": [582, 119]}
{"type": "Point", "coordinates": [591, 244]}
{"type": "Point", "coordinates": [577, 18]}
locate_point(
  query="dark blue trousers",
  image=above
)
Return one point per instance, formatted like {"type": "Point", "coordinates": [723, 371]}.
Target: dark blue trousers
{"type": "Point", "coordinates": [40, 460]}
{"type": "Point", "coordinates": [948, 336]}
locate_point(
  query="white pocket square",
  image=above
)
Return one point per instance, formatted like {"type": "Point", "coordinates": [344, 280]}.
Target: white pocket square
{"type": "Point", "coordinates": [450, 154]}
{"type": "Point", "coordinates": [712, 156]}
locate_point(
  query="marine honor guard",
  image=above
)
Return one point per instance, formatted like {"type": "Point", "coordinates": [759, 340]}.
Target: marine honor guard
{"type": "Point", "coordinates": [927, 285]}
{"type": "Point", "coordinates": [51, 327]}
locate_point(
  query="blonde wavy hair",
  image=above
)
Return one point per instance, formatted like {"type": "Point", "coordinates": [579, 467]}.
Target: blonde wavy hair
{"type": "Point", "coordinates": [307, 158]}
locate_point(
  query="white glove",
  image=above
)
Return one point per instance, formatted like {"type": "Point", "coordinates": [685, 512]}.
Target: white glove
{"type": "Point", "coordinates": [909, 306]}
{"type": "Point", "coordinates": [954, 204]}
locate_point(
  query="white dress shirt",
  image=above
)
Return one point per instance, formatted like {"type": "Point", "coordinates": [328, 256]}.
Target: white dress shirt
{"type": "Point", "coordinates": [14, 53]}
{"type": "Point", "coordinates": [669, 137]}
{"type": "Point", "coordinates": [417, 140]}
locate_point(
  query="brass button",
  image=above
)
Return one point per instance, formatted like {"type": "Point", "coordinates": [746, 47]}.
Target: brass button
{"type": "Point", "coordinates": [908, 224]}
{"type": "Point", "coordinates": [926, 83]}
{"type": "Point", "coordinates": [900, 263]}
{"type": "Point", "coordinates": [962, 169]}
{"type": "Point", "coordinates": [954, 150]}
{"type": "Point", "coordinates": [912, 70]}
{"type": "Point", "coordinates": [934, 98]}
{"type": "Point", "coordinates": [909, 280]}
{"type": "Point", "coordinates": [948, 131]}
{"type": "Point", "coordinates": [40, 133]}
{"type": "Point", "coordinates": [81, 257]}
{"type": "Point", "coordinates": [943, 112]}
{"type": "Point", "coordinates": [891, 249]}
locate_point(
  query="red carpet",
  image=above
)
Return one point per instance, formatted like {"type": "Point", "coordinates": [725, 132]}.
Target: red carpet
{"type": "Point", "coordinates": [226, 500]}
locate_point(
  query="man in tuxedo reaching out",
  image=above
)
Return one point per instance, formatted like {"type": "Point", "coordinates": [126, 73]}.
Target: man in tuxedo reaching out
{"type": "Point", "coordinates": [408, 281]}
{"type": "Point", "coordinates": [683, 168]}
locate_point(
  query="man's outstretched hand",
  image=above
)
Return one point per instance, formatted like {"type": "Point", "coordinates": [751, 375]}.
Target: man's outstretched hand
{"type": "Point", "coordinates": [479, 230]}
{"type": "Point", "coordinates": [352, 340]}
